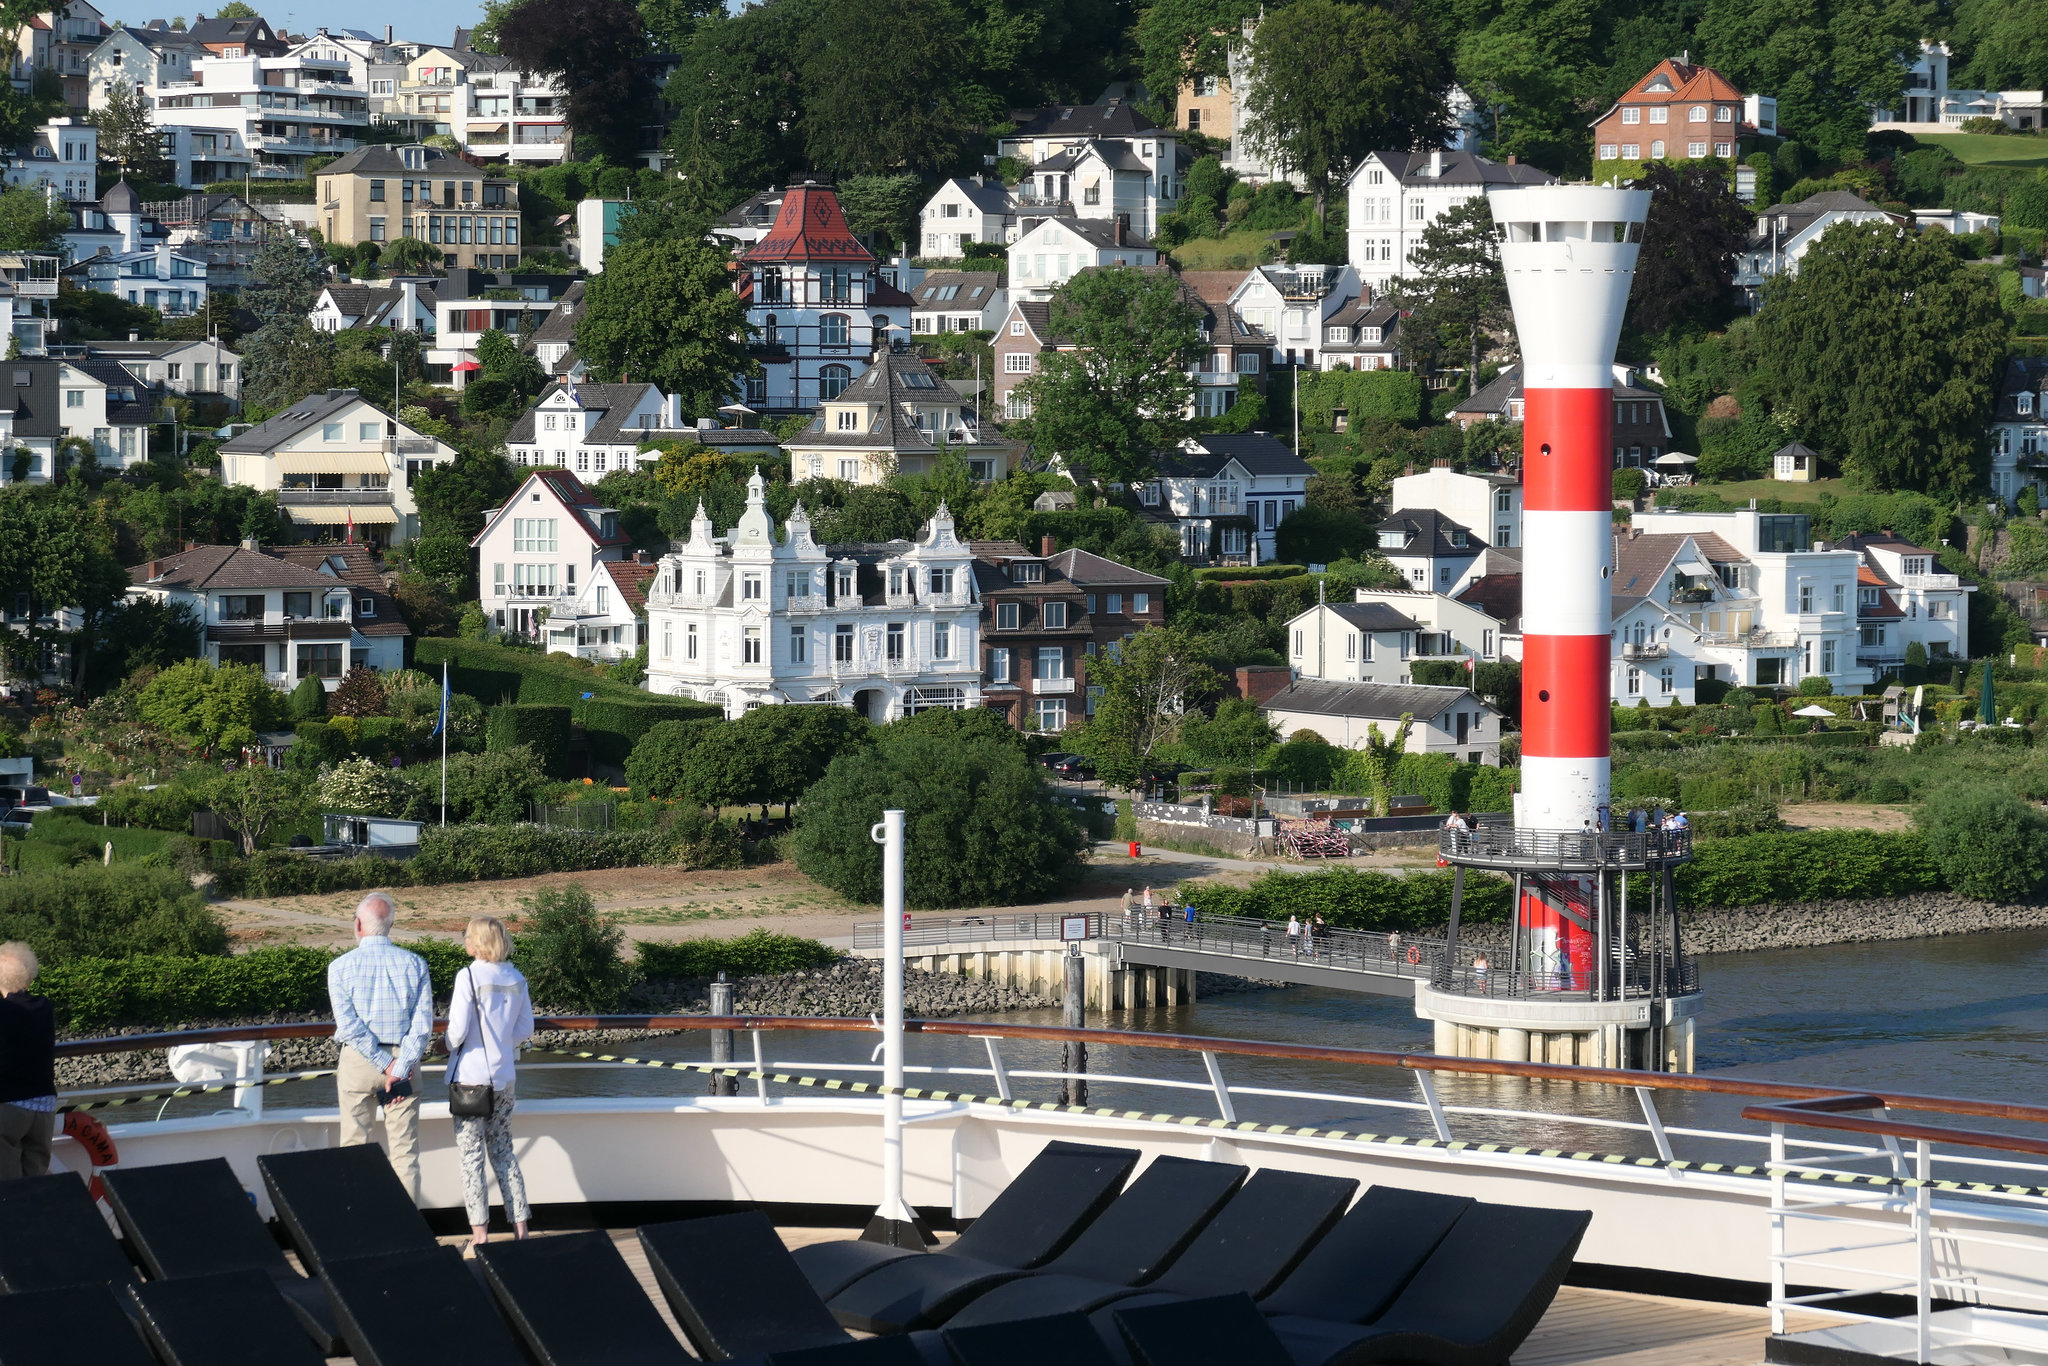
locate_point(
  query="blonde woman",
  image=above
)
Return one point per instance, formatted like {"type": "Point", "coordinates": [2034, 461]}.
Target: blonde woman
{"type": "Point", "coordinates": [489, 1017]}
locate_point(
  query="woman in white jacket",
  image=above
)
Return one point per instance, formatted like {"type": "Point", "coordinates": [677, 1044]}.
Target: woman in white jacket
{"type": "Point", "coordinates": [489, 1017]}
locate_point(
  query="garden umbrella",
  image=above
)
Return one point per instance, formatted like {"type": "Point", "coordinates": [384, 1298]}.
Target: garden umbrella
{"type": "Point", "coordinates": [1987, 708]}
{"type": "Point", "coordinates": [1815, 710]}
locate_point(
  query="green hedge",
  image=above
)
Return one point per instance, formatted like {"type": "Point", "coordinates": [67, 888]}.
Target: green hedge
{"type": "Point", "coordinates": [1813, 865]}
{"type": "Point", "coordinates": [613, 715]}
{"type": "Point", "coordinates": [1355, 899]}
{"type": "Point", "coordinates": [752, 954]}
{"type": "Point", "coordinates": [159, 989]}
{"type": "Point", "coordinates": [477, 853]}
{"type": "Point", "coordinates": [1252, 573]}
{"type": "Point", "coordinates": [542, 727]}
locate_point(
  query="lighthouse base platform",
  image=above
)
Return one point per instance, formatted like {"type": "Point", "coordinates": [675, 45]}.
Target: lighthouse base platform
{"type": "Point", "coordinates": [1648, 1035]}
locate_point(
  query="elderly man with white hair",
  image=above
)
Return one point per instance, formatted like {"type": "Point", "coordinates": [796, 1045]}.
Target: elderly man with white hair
{"type": "Point", "coordinates": [383, 1000]}
{"type": "Point", "coordinates": [28, 1067]}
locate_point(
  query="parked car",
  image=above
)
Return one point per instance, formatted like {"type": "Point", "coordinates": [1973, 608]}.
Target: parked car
{"type": "Point", "coordinates": [16, 820]}
{"type": "Point", "coordinates": [29, 796]}
{"type": "Point", "coordinates": [1054, 758]}
{"type": "Point", "coordinates": [1074, 766]}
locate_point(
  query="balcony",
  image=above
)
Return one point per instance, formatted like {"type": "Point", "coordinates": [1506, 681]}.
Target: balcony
{"type": "Point", "coordinates": [333, 497]}
{"type": "Point", "coordinates": [1645, 651]}
{"type": "Point", "coordinates": [1033, 199]}
{"type": "Point", "coordinates": [410, 445]}
{"type": "Point", "coordinates": [1052, 687]}
{"type": "Point", "coordinates": [1930, 582]}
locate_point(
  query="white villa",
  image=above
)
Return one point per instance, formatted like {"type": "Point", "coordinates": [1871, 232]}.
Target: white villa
{"type": "Point", "coordinates": [747, 620]}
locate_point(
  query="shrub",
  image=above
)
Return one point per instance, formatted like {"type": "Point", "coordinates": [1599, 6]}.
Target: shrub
{"type": "Point", "coordinates": [364, 787]}
{"type": "Point", "coordinates": [570, 953]}
{"type": "Point", "coordinates": [319, 746]}
{"type": "Point", "coordinates": [1816, 685]}
{"type": "Point", "coordinates": [1768, 720]}
{"type": "Point", "coordinates": [982, 826]}
{"type": "Point", "coordinates": [1355, 899]}
{"type": "Point", "coordinates": [494, 788]}
{"type": "Point", "coordinates": [1629, 484]}
{"type": "Point", "coordinates": [543, 729]}
{"type": "Point", "coordinates": [1807, 866]}
{"type": "Point", "coordinates": [360, 693]}
{"type": "Point", "coordinates": [308, 700]}
{"type": "Point", "coordinates": [751, 955]}
{"type": "Point", "coordinates": [108, 912]}
{"type": "Point", "coordinates": [1990, 845]}
{"type": "Point", "coordinates": [168, 806]}
{"type": "Point", "coordinates": [1251, 573]}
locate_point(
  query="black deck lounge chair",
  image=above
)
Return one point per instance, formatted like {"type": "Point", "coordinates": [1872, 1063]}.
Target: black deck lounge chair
{"type": "Point", "coordinates": [554, 1290]}
{"type": "Point", "coordinates": [418, 1309]}
{"type": "Point", "coordinates": [238, 1318]}
{"type": "Point", "coordinates": [1064, 1339]}
{"type": "Point", "coordinates": [53, 1236]}
{"type": "Point", "coordinates": [896, 1351]}
{"type": "Point", "coordinates": [1220, 1328]}
{"type": "Point", "coordinates": [1140, 1233]}
{"type": "Point", "coordinates": [341, 1203]}
{"type": "Point", "coordinates": [735, 1289]}
{"type": "Point", "coordinates": [1350, 1275]}
{"type": "Point", "coordinates": [1471, 1304]}
{"type": "Point", "coordinates": [187, 1219]}
{"type": "Point", "coordinates": [1062, 1190]}
{"type": "Point", "coordinates": [1255, 1240]}
{"type": "Point", "coordinates": [77, 1323]}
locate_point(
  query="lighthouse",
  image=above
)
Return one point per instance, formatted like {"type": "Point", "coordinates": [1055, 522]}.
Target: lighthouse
{"type": "Point", "coordinates": [1594, 972]}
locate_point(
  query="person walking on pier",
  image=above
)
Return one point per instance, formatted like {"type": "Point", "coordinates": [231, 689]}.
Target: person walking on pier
{"type": "Point", "coordinates": [1294, 935]}
{"type": "Point", "coordinates": [28, 1067]}
{"type": "Point", "coordinates": [383, 999]}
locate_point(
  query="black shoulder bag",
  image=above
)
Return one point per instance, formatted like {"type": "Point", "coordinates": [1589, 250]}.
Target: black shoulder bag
{"type": "Point", "coordinates": [468, 1100]}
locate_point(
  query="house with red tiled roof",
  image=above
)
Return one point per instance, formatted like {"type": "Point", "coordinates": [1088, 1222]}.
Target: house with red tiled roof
{"type": "Point", "coordinates": [1680, 111]}
{"type": "Point", "coordinates": [539, 551]}
{"type": "Point", "coordinates": [819, 301]}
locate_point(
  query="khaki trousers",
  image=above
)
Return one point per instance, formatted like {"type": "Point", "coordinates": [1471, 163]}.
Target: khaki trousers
{"type": "Point", "coordinates": [358, 1081]}
{"type": "Point", "coordinates": [25, 1142]}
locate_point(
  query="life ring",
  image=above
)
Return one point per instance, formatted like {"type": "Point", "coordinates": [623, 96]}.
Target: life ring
{"type": "Point", "coordinates": [1414, 955]}
{"type": "Point", "coordinates": [90, 1134]}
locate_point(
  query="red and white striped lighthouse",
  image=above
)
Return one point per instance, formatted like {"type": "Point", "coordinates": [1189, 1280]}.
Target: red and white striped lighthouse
{"type": "Point", "coordinates": [1569, 255]}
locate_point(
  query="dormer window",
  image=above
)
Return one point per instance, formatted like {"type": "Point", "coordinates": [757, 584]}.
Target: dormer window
{"type": "Point", "coordinates": [1369, 334]}
{"type": "Point", "coordinates": [1393, 540]}
{"type": "Point", "coordinates": [2026, 402]}
{"type": "Point", "coordinates": [1458, 537]}
{"type": "Point", "coordinates": [1027, 571]}
{"type": "Point", "coordinates": [848, 420]}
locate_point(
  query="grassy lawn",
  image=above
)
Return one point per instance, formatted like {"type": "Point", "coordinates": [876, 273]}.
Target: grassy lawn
{"type": "Point", "coordinates": [58, 834]}
{"type": "Point", "coordinates": [1989, 149]}
{"type": "Point", "coordinates": [1741, 491]}
{"type": "Point", "coordinates": [1238, 251]}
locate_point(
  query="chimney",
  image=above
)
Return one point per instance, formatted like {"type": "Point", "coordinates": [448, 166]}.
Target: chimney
{"type": "Point", "coordinates": [1045, 545]}
{"type": "Point", "coordinates": [1511, 158]}
{"type": "Point", "coordinates": [707, 424]}
{"type": "Point", "coordinates": [134, 336]}
{"type": "Point", "coordinates": [387, 33]}
{"type": "Point", "coordinates": [151, 575]}
{"type": "Point", "coordinates": [1123, 220]}
{"type": "Point", "coordinates": [640, 557]}
{"type": "Point", "coordinates": [191, 545]}
{"type": "Point", "coordinates": [1436, 163]}
{"type": "Point", "coordinates": [249, 543]}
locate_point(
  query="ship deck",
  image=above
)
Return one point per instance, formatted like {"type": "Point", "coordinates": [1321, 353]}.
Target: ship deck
{"type": "Point", "coordinates": [1583, 1328]}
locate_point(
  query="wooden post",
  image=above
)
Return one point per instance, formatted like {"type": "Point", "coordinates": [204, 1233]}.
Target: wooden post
{"type": "Point", "coordinates": [1074, 1054]}
{"type": "Point", "coordinates": [721, 1039]}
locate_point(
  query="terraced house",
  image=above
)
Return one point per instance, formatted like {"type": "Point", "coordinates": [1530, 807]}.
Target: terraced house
{"type": "Point", "coordinates": [380, 194]}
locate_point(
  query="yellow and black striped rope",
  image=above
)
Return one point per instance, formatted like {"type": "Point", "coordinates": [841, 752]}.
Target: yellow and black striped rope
{"type": "Point", "coordinates": [214, 1090]}
{"type": "Point", "coordinates": [869, 1088]}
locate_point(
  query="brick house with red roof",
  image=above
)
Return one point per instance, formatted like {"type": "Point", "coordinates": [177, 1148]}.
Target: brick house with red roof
{"type": "Point", "coordinates": [1680, 111]}
{"type": "Point", "coordinates": [819, 301]}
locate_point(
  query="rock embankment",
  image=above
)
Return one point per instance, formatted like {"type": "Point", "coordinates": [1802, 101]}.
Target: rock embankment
{"type": "Point", "coordinates": [1812, 924]}
{"type": "Point", "coordinates": [852, 987]}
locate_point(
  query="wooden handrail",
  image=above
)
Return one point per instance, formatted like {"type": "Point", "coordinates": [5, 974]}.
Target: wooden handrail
{"type": "Point", "coordinates": [1250, 1048]}
{"type": "Point", "coordinates": [1891, 1128]}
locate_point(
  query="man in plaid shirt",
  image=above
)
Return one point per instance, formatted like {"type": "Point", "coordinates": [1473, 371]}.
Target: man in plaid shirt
{"type": "Point", "coordinates": [383, 1000]}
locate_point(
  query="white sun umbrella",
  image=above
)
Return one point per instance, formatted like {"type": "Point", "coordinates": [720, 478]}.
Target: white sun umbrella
{"type": "Point", "coordinates": [1676, 459]}
{"type": "Point", "coordinates": [1815, 710]}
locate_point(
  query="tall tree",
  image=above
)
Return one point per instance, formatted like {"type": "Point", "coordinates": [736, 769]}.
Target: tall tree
{"type": "Point", "coordinates": [1148, 690]}
{"type": "Point", "coordinates": [1696, 225]}
{"type": "Point", "coordinates": [594, 48]}
{"type": "Point", "coordinates": [665, 312]}
{"type": "Point", "coordinates": [1122, 393]}
{"type": "Point", "coordinates": [1458, 295]}
{"type": "Point", "coordinates": [1332, 82]}
{"type": "Point", "coordinates": [284, 281]}
{"type": "Point", "coordinates": [887, 88]}
{"type": "Point", "coordinates": [1527, 93]}
{"type": "Point", "coordinates": [1179, 40]}
{"type": "Point", "coordinates": [2002, 44]}
{"type": "Point", "coordinates": [736, 95]}
{"type": "Point", "coordinates": [1887, 349]}
{"type": "Point", "coordinates": [60, 551]}
{"type": "Point", "coordinates": [286, 359]}
{"type": "Point", "coordinates": [1829, 62]}
{"type": "Point", "coordinates": [128, 135]}
{"type": "Point", "coordinates": [27, 223]}
{"type": "Point", "coordinates": [671, 24]}
{"type": "Point", "coordinates": [883, 205]}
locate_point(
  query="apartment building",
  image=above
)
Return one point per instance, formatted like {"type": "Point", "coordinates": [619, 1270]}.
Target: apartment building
{"type": "Point", "coordinates": [341, 468]}
{"type": "Point", "coordinates": [61, 41]}
{"type": "Point", "coordinates": [380, 194]}
{"type": "Point", "coordinates": [1053, 251]}
{"type": "Point", "coordinates": [1642, 428]}
{"type": "Point", "coordinates": [1443, 720]}
{"type": "Point", "coordinates": [1394, 197]}
{"type": "Point", "coordinates": [145, 57]}
{"type": "Point", "coordinates": [279, 113]}
{"type": "Point", "coordinates": [1288, 306]}
{"type": "Point", "coordinates": [538, 551]}
{"type": "Point", "coordinates": [897, 418]}
{"type": "Point", "coordinates": [1045, 618]}
{"type": "Point", "coordinates": [1225, 495]}
{"type": "Point", "coordinates": [292, 618]}
{"type": "Point", "coordinates": [967, 209]}
{"type": "Point", "coordinates": [78, 408]}
{"type": "Point", "coordinates": [1490, 504]}
{"type": "Point", "coordinates": [593, 428]}
{"type": "Point", "coordinates": [59, 159]}
{"type": "Point", "coordinates": [749, 619]}
{"type": "Point", "coordinates": [2019, 429]}
{"type": "Point", "coordinates": [486, 103]}
{"type": "Point", "coordinates": [194, 369]}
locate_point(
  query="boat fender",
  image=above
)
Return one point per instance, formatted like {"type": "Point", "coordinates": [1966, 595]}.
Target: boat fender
{"type": "Point", "coordinates": [90, 1134]}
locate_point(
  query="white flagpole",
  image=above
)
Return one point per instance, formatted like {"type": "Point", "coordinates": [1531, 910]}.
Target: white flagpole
{"type": "Point", "coordinates": [894, 1223]}
{"type": "Point", "coordinates": [444, 742]}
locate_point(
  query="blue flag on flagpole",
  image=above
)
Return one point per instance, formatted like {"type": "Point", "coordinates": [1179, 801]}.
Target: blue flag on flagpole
{"type": "Point", "coordinates": [441, 722]}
